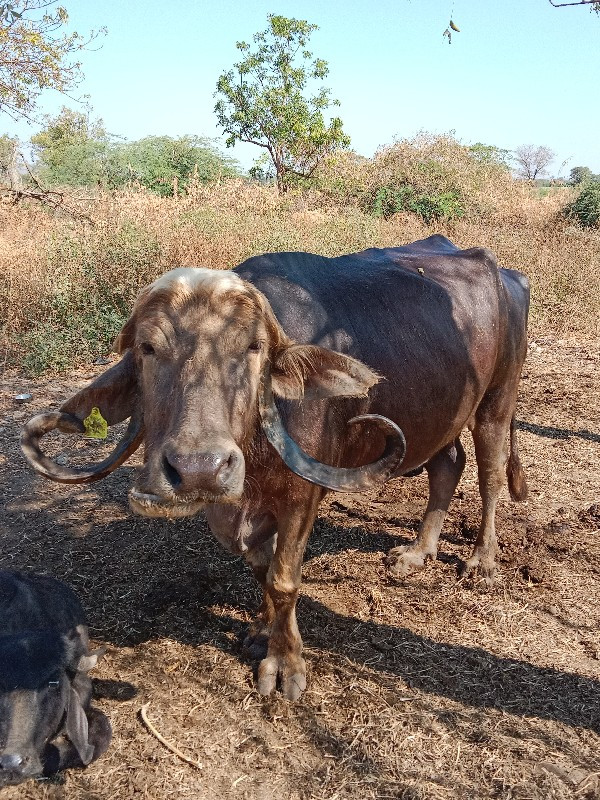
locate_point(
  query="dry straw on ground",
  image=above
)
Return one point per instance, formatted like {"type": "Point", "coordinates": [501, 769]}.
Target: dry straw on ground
{"type": "Point", "coordinates": [422, 689]}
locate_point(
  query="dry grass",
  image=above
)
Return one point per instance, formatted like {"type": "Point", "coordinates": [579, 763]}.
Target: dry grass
{"type": "Point", "coordinates": [66, 286]}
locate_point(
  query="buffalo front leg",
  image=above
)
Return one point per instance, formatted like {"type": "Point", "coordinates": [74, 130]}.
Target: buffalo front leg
{"type": "Point", "coordinates": [284, 663]}
{"type": "Point", "coordinates": [259, 560]}
{"type": "Point", "coordinates": [444, 471]}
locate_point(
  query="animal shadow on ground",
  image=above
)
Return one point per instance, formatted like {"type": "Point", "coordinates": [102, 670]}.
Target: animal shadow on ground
{"type": "Point", "coordinates": [556, 433]}
{"type": "Point", "coordinates": [143, 579]}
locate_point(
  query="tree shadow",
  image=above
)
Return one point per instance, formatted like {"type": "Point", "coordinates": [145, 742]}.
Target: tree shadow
{"type": "Point", "coordinates": [471, 676]}
{"type": "Point", "coordinates": [144, 579]}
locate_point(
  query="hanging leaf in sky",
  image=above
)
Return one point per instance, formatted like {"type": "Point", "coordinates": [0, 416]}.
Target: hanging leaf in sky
{"type": "Point", "coordinates": [448, 32]}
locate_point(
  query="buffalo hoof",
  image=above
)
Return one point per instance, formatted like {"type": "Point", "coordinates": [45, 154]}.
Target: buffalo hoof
{"type": "Point", "coordinates": [256, 643]}
{"type": "Point", "coordinates": [402, 561]}
{"type": "Point", "coordinates": [483, 566]}
{"type": "Point", "coordinates": [289, 670]}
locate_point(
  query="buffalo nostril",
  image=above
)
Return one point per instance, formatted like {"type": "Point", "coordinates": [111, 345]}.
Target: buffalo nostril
{"type": "Point", "coordinates": [173, 476]}
{"type": "Point", "coordinates": [227, 468]}
{"type": "Point", "coordinates": [11, 761]}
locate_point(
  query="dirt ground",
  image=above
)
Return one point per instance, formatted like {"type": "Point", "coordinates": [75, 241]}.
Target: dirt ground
{"type": "Point", "coordinates": [423, 688]}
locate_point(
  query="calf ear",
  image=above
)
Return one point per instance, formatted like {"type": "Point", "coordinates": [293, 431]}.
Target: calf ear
{"type": "Point", "coordinates": [89, 660]}
{"type": "Point", "coordinates": [76, 728]}
{"type": "Point", "coordinates": [60, 753]}
{"type": "Point", "coordinates": [114, 393]}
{"type": "Point", "coordinates": [310, 371]}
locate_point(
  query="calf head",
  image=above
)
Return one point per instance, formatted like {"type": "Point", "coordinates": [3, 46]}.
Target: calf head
{"type": "Point", "coordinates": [46, 723]}
{"type": "Point", "coordinates": [203, 355]}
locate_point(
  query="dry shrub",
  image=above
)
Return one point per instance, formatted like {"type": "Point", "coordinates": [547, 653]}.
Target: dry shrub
{"type": "Point", "coordinates": [416, 173]}
{"type": "Point", "coordinates": [437, 166]}
{"type": "Point", "coordinates": [563, 265]}
{"type": "Point", "coordinates": [437, 177]}
{"type": "Point", "coordinates": [66, 286]}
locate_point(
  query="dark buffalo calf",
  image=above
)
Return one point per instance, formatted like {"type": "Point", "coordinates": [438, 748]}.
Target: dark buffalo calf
{"type": "Point", "coordinates": [46, 720]}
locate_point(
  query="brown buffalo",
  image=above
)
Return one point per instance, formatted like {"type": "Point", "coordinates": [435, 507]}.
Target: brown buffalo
{"type": "Point", "coordinates": [422, 340]}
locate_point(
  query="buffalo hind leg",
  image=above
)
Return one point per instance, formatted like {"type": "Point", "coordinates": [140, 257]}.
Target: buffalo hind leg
{"type": "Point", "coordinates": [257, 639]}
{"type": "Point", "coordinates": [284, 662]}
{"type": "Point", "coordinates": [444, 471]}
{"type": "Point", "coordinates": [490, 435]}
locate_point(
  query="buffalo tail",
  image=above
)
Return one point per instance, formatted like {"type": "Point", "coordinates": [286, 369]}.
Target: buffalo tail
{"type": "Point", "coordinates": [517, 484]}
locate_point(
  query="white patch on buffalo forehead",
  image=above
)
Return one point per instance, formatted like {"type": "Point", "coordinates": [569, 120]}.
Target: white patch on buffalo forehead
{"type": "Point", "coordinates": [191, 278]}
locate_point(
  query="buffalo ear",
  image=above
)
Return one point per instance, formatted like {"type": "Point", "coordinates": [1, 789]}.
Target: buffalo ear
{"type": "Point", "coordinates": [310, 371]}
{"type": "Point", "coordinates": [114, 393]}
{"type": "Point", "coordinates": [76, 727]}
{"type": "Point", "coordinates": [126, 338]}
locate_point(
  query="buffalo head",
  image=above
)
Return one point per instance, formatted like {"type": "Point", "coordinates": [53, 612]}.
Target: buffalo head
{"type": "Point", "coordinates": [46, 722]}
{"type": "Point", "coordinates": [203, 356]}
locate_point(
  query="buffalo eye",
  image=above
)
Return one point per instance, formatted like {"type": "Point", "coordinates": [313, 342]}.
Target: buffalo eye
{"type": "Point", "coordinates": [255, 347]}
{"type": "Point", "coordinates": [53, 684]}
{"type": "Point", "coordinates": [146, 349]}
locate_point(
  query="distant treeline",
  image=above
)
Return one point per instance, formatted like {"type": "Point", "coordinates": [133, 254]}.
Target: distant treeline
{"type": "Point", "coordinates": [73, 151]}
{"type": "Point", "coordinates": [435, 177]}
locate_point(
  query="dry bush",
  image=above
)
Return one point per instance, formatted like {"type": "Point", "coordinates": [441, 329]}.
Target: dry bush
{"type": "Point", "coordinates": [426, 166]}
{"type": "Point", "coordinates": [438, 178]}
{"type": "Point", "coordinates": [66, 286]}
{"type": "Point", "coordinates": [435, 166]}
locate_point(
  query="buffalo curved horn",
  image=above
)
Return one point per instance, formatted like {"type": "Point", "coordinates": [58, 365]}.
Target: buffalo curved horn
{"type": "Point", "coordinates": [340, 479]}
{"type": "Point", "coordinates": [68, 423]}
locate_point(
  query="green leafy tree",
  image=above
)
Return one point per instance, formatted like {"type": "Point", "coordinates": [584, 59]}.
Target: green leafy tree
{"type": "Point", "coordinates": [161, 163]}
{"type": "Point", "coordinates": [586, 206]}
{"type": "Point", "coordinates": [490, 154]}
{"type": "Point", "coordinates": [263, 101]}
{"type": "Point", "coordinates": [262, 170]}
{"type": "Point", "coordinates": [71, 150]}
{"type": "Point", "coordinates": [35, 53]}
{"type": "Point", "coordinates": [74, 151]}
{"type": "Point", "coordinates": [582, 175]}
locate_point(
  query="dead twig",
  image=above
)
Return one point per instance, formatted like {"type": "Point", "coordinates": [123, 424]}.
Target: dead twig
{"type": "Point", "coordinates": [165, 742]}
{"type": "Point", "coordinates": [51, 198]}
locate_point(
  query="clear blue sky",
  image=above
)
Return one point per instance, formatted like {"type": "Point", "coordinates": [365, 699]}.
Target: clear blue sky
{"type": "Point", "coordinates": [519, 72]}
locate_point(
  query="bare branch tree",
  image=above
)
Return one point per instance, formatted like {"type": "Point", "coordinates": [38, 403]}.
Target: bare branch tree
{"type": "Point", "coordinates": [594, 3]}
{"type": "Point", "coordinates": [13, 189]}
{"type": "Point", "coordinates": [532, 161]}
{"type": "Point", "coordinates": [577, 3]}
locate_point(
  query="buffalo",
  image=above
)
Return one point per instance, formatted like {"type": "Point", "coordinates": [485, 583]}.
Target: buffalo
{"type": "Point", "coordinates": [259, 389]}
{"type": "Point", "coordinates": [46, 720]}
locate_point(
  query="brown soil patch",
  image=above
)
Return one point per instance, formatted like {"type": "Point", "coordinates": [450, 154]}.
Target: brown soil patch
{"type": "Point", "coordinates": [426, 688]}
